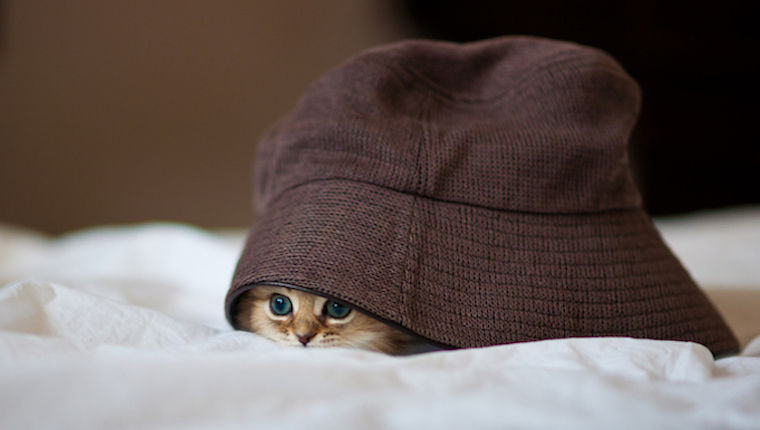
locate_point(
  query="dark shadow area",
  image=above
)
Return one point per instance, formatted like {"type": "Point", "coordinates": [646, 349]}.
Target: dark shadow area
{"type": "Point", "coordinates": [696, 145]}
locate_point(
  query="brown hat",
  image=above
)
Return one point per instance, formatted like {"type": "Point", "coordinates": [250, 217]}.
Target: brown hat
{"type": "Point", "coordinates": [472, 194]}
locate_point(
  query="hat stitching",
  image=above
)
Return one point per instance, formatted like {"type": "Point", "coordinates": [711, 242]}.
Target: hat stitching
{"type": "Point", "coordinates": [466, 206]}
{"type": "Point", "coordinates": [641, 331]}
{"type": "Point", "coordinates": [272, 200]}
{"type": "Point", "coordinates": [512, 291]}
{"type": "Point", "coordinates": [556, 301]}
{"type": "Point", "coordinates": [575, 284]}
{"type": "Point", "coordinates": [630, 235]}
{"type": "Point", "coordinates": [410, 261]}
{"type": "Point", "coordinates": [516, 282]}
{"type": "Point", "coordinates": [407, 278]}
{"type": "Point", "coordinates": [665, 271]}
{"type": "Point", "coordinates": [556, 218]}
{"type": "Point", "coordinates": [522, 261]}
{"type": "Point", "coordinates": [547, 240]}
{"type": "Point", "coordinates": [702, 315]}
{"type": "Point", "coordinates": [560, 265]}
{"type": "Point", "coordinates": [665, 259]}
{"type": "Point", "coordinates": [556, 244]}
{"type": "Point", "coordinates": [556, 296]}
{"type": "Point", "coordinates": [630, 219]}
{"type": "Point", "coordinates": [298, 181]}
{"type": "Point", "coordinates": [618, 250]}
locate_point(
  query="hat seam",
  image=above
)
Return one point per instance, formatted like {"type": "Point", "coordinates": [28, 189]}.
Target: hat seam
{"type": "Point", "coordinates": [665, 258]}
{"type": "Point", "coordinates": [705, 315]}
{"type": "Point", "coordinates": [512, 233]}
{"type": "Point", "coordinates": [416, 184]}
{"type": "Point", "coordinates": [533, 236]}
{"type": "Point", "coordinates": [667, 270]}
{"type": "Point", "coordinates": [519, 285]}
{"type": "Point", "coordinates": [473, 248]}
{"type": "Point", "coordinates": [381, 164]}
{"type": "Point", "coordinates": [615, 249]}
{"type": "Point", "coordinates": [468, 205]}
{"type": "Point", "coordinates": [580, 284]}
{"type": "Point", "coordinates": [694, 295]}
{"type": "Point", "coordinates": [653, 289]}
{"type": "Point", "coordinates": [556, 216]}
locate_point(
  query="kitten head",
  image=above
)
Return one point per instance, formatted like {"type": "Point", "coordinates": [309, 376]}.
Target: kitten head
{"type": "Point", "coordinates": [296, 318]}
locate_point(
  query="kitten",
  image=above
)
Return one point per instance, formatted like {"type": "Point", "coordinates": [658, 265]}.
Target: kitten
{"type": "Point", "coordinates": [296, 318]}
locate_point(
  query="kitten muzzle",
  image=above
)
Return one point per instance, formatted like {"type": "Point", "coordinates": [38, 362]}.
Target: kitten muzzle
{"type": "Point", "coordinates": [305, 338]}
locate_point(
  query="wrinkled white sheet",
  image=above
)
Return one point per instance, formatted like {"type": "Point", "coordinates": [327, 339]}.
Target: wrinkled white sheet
{"type": "Point", "coordinates": [123, 327]}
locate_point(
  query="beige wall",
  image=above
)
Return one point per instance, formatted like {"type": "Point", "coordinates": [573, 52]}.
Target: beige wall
{"type": "Point", "coordinates": [121, 112]}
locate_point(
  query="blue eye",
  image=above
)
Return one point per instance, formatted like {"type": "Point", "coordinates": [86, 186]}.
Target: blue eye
{"type": "Point", "coordinates": [336, 310]}
{"type": "Point", "coordinates": [280, 305]}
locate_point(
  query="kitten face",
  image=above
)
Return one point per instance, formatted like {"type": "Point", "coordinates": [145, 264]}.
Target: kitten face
{"type": "Point", "coordinates": [296, 318]}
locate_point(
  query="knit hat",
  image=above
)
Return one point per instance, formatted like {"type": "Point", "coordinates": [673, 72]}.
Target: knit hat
{"type": "Point", "coordinates": [471, 194]}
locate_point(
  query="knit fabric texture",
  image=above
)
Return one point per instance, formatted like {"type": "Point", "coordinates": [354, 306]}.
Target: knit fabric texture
{"type": "Point", "coordinates": [471, 194]}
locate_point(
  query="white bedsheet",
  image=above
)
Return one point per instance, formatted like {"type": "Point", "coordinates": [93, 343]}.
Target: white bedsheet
{"type": "Point", "coordinates": [123, 327]}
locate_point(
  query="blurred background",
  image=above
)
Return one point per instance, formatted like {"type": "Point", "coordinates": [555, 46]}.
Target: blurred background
{"type": "Point", "coordinates": [124, 112]}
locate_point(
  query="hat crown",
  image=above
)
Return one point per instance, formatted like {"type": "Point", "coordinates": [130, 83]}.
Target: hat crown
{"type": "Point", "coordinates": [514, 123]}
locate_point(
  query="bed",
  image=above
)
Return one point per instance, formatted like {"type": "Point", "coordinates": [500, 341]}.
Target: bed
{"type": "Point", "coordinates": [121, 327]}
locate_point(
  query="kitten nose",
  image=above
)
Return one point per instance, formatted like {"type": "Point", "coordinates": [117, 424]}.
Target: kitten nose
{"type": "Point", "coordinates": [305, 338]}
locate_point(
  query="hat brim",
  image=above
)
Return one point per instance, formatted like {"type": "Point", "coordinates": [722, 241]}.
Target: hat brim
{"type": "Point", "coordinates": [465, 276]}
